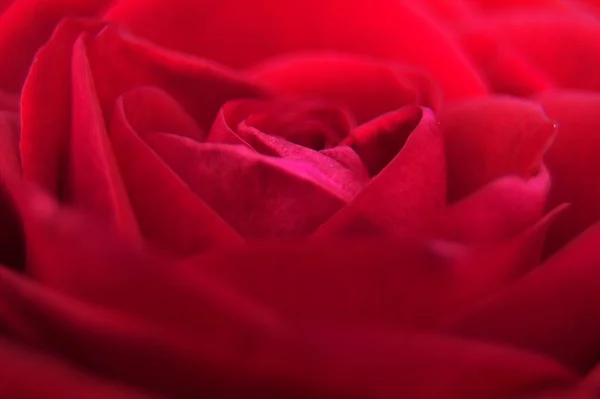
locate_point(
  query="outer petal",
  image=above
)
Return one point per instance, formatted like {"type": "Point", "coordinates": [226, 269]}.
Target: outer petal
{"type": "Point", "coordinates": [557, 7]}
{"type": "Point", "coordinates": [569, 50]}
{"type": "Point", "coordinates": [591, 5]}
{"type": "Point", "coordinates": [45, 130]}
{"type": "Point", "coordinates": [412, 183]}
{"type": "Point", "coordinates": [524, 47]}
{"type": "Point", "coordinates": [261, 29]}
{"type": "Point", "coordinates": [9, 101]}
{"type": "Point", "coordinates": [367, 87]}
{"type": "Point", "coordinates": [4, 4]}
{"type": "Point", "coordinates": [506, 69]}
{"type": "Point", "coordinates": [499, 210]}
{"type": "Point", "coordinates": [12, 243]}
{"type": "Point", "coordinates": [25, 25]}
{"type": "Point", "coordinates": [410, 282]}
{"type": "Point", "coordinates": [169, 213]}
{"type": "Point", "coordinates": [456, 13]}
{"type": "Point", "coordinates": [552, 310]}
{"type": "Point", "coordinates": [27, 374]}
{"type": "Point", "coordinates": [573, 162]}
{"type": "Point", "coordinates": [201, 86]}
{"type": "Point", "coordinates": [118, 62]}
{"type": "Point", "coordinates": [591, 381]}
{"type": "Point", "coordinates": [10, 157]}
{"type": "Point", "coordinates": [311, 362]}
{"type": "Point", "coordinates": [126, 349]}
{"type": "Point", "coordinates": [491, 138]}
{"type": "Point", "coordinates": [12, 249]}
{"type": "Point", "coordinates": [71, 254]}
{"type": "Point", "coordinates": [94, 183]}
{"type": "Point", "coordinates": [133, 336]}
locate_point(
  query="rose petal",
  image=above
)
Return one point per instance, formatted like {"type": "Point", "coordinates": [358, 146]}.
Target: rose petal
{"type": "Point", "coordinates": [46, 125]}
{"type": "Point", "coordinates": [515, 63]}
{"type": "Point", "coordinates": [379, 141]}
{"type": "Point", "coordinates": [12, 243]}
{"type": "Point", "coordinates": [551, 311]}
{"type": "Point", "coordinates": [258, 195]}
{"type": "Point", "coordinates": [4, 4]}
{"type": "Point", "coordinates": [23, 32]}
{"type": "Point", "coordinates": [119, 347]}
{"type": "Point", "coordinates": [232, 127]}
{"type": "Point", "coordinates": [37, 375]}
{"type": "Point", "coordinates": [229, 128]}
{"type": "Point", "coordinates": [308, 123]}
{"type": "Point", "coordinates": [312, 124]}
{"type": "Point", "coordinates": [152, 110]}
{"type": "Point", "coordinates": [506, 69]}
{"type": "Point", "coordinates": [169, 214]}
{"type": "Point", "coordinates": [201, 87]}
{"type": "Point", "coordinates": [121, 62]}
{"type": "Point", "coordinates": [493, 137]}
{"type": "Point", "coordinates": [367, 88]}
{"type": "Point", "coordinates": [349, 158]}
{"type": "Point", "coordinates": [94, 182]}
{"type": "Point", "coordinates": [313, 362]}
{"type": "Point", "coordinates": [81, 259]}
{"type": "Point", "coordinates": [345, 282]}
{"type": "Point", "coordinates": [526, 6]}
{"type": "Point", "coordinates": [456, 13]}
{"type": "Point", "coordinates": [407, 282]}
{"type": "Point", "coordinates": [262, 29]}
{"type": "Point", "coordinates": [591, 382]}
{"type": "Point", "coordinates": [347, 182]}
{"type": "Point", "coordinates": [497, 265]}
{"type": "Point", "coordinates": [10, 102]}
{"type": "Point", "coordinates": [133, 336]}
{"type": "Point", "coordinates": [573, 160]}
{"type": "Point", "coordinates": [413, 182]}
{"type": "Point", "coordinates": [10, 157]}
{"type": "Point", "coordinates": [591, 5]}
{"type": "Point", "coordinates": [461, 369]}
{"type": "Point", "coordinates": [570, 50]}
{"type": "Point", "coordinates": [69, 253]}
{"type": "Point", "coordinates": [497, 211]}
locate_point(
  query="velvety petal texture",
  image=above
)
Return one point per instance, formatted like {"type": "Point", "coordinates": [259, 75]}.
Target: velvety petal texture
{"type": "Point", "coordinates": [573, 162]}
{"type": "Point", "coordinates": [524, 47]}
{"type": "Point", "coordinates": [491, 138]}
{"type": "Point", "coordinates": [560, 297]}
{"type": "Point", "coordinates": [26, 24]}
{"type": "Point", "coordinates": [245, 349]}
{"type": "Point", "coordinates": [264, 29]}
{"type": "Point", "coordinates": [322, 199]}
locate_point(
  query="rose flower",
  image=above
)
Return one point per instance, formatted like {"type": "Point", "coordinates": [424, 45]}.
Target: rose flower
{"type": "Point", "coordinates": [318, 199]}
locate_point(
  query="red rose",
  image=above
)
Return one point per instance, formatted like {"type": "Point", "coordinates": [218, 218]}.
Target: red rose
{"type": "Point", "coordinates": [232, 199]}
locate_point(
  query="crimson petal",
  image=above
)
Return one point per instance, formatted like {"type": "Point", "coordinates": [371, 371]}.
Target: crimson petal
{"type": "Point", "coordinates": [262, 29]}
{"type": "Point", "coordinates": [491, 138]}
{"type": "Point", "coordinates": [35, 375]}
{"type": "Point", "coordinates": [413, 182]}
{"type": "Point", "coordinates": [257, 194]}
{"type": "Point", "coordinates": [94, 182]}
{"type": "Point", "coordinates": [367, 87]}
{"type": "Point", "coordinates": [200, 86]}
{"type": "Point", "coordinates": [552, 310]}
{"type": "Point", "coordinates": [573, 162]}
{"type": "Point", "coordinates": [26, 25]}
{"type": "Point", "coordinates": [169, 214]}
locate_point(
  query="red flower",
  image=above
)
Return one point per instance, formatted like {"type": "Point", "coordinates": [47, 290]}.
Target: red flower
{"type": "Point", "coordinates": [327, 199]}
